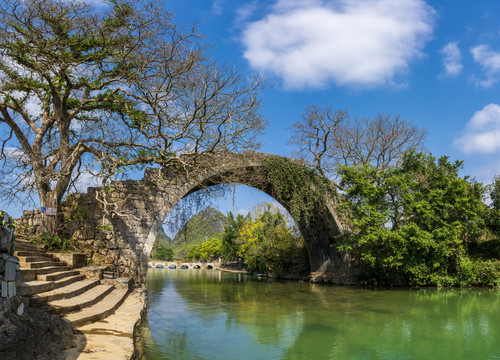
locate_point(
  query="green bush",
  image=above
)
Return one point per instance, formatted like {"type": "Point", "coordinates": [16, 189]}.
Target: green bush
{"type": "Point", "coordinates": [52, 242]}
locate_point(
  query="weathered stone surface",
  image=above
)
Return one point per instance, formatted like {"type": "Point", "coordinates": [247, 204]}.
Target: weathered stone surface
{"type": "Point", "coordinates": [131, 212]}
{"type": "Point", "coordinates": [34, 335]}
{"type": "Point", "coordinates": [112, 338]}
{"type": "Point", "coordinates": [11, 290]}
{"type": "Point", "coordinates": [25, 333]}
{"type": "Point", "coordinates": [10, 271]}
{"type": "Point", "coordinates": [6, 234]}
{"type": "Point", "coordinates": [5, 289]}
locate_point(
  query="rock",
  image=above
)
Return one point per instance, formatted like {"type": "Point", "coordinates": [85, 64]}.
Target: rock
{"type": "Point", "coordinates": [34, 335]}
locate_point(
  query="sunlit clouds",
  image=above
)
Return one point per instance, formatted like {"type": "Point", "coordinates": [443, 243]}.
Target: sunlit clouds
{"type": "Point", "coordinates": [482, 132]}
{"type": "Point", "coordinates": [452, 61]}
{"type": "Point", "coordinates": [489, 61]}
{"type": "Point", "coordinates": [345, 42]}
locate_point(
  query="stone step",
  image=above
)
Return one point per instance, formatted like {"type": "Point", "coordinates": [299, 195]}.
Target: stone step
{"type": "Point", "coordinates": [64, 292]}
{"type": "Point", "coordinates": [52, 276]}
{"type": "Point", "coordinates": [39, 274]}
{"type": "Point", "coordinates": [25, 246]}
{"type": "Point", "coordinates": [79, 302]}
{"type": "Point", "coordinates": [116, 331]}
{"type": "Point", "coordinates": [19, 247]}
{"type": "Point", "coordinates": [27, 259]}
{"type": "Point", "coordinates": [31, 288]}
{"type": "Point", "coordinates": [30, 253]}
{"type": "Point", "coordinates": [39, 264]}
{"type": "Point", "coordinates": [21, 241]}
{"type": "Point", "coordinates": [102, 309]}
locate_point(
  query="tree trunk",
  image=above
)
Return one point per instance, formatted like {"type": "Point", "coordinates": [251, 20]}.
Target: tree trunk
{"type": "Point", "coordinates": [49, 204]}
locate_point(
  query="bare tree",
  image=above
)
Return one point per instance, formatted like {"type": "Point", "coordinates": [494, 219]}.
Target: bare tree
{"type": "Point", "coordinates": [317, 135]}
{"type": "Point", "coordinates": [326, 137]}
{"type": "Point", "coordinates": [98, 90]}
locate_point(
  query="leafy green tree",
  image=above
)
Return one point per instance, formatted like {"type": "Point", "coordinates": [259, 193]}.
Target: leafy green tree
{"type": "Point", "coordinates": [229, 246]}
{"type": "Point", "coordinates": [268, 244]}
{"type": "Point", "coordinates": [413, 224]}
{"type": "Point", "coordinates": [207, 250]}
{"type": "Point", "coordinates": [494, 214]}
{"type": "Point", "coordinates": [161, 251]}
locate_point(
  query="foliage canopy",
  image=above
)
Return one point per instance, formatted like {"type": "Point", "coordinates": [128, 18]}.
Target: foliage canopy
{"type": "Point", "coordinates": [415, 223]}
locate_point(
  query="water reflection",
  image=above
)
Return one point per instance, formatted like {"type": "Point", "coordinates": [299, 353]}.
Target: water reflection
{"type": "Point", "coordinates": [207, 315]}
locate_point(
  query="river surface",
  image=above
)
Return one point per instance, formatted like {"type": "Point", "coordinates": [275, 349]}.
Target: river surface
{"type": "Point", "coordinates": [206, 314]}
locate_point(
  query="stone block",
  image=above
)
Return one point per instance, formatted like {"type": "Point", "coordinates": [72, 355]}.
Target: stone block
{"type": "Point", "coordinates": [15, 302]}
{"type": "Point", "coordinates": [89, 233]}
{"type": "Point", "coordinates": [5, 289]}
{"type": "Point", "coordinates": [12, 289]}
{"type": "Point", "coordinates": [20, 309]}
{"type": "Point", "coordinates": [7, 308]}
{"type": "Point", "coordinates": [10, 271]}
{"type": "Point", "coordinates": [79, 260]}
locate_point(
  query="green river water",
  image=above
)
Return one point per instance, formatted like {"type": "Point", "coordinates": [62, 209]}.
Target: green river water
{"type": "Point", "coordinates": [206, 314]}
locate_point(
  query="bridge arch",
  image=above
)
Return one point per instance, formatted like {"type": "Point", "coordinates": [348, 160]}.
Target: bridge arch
{"type": "Point", "coordinates": [141, 207]}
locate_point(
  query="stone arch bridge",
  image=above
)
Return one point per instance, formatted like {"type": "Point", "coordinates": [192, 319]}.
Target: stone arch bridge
{"type": "Point", "coordinates": [132, 211]}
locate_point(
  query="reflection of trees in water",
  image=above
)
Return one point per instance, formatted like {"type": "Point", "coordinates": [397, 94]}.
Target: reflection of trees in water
{"type": "Point", "coordinates": [144, 343]}
{"type": "Point", "coordinates": [421, 324]}
{"type": "Point", "coordinates": [262, 308]}
{"type": "Point", "coordinates": [338, 322]}
{"type": "Point", "coordinates": [147, 349]}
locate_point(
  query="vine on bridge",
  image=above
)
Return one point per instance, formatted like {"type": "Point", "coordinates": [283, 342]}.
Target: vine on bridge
{"type": "Point", "coordinates": [303, 188]}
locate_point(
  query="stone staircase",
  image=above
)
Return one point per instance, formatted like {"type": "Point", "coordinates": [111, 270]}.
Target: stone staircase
{"type": "Point", "coordinates": [56, 288]}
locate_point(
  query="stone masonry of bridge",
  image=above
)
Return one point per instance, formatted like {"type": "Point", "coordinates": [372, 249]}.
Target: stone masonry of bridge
{"type": "Point", "coordinates": [124, 218]}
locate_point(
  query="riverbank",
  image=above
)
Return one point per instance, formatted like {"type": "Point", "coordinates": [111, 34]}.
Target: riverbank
{"type": "Point", "coordinates": [246, 272]}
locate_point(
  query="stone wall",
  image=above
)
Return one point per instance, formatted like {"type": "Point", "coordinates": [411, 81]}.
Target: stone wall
{"type": "Point", "coordinates": [10, 275]}
{"type": "Point", "coordinates": [79, 219]}
{"type": "Point", "coordinates": [25, 333]}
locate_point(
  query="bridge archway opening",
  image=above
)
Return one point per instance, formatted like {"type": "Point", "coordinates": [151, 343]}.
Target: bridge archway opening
{"type": "Point", "coordinates": [235, 197]}
{"type": "Point", "coordinates": [147, 203]}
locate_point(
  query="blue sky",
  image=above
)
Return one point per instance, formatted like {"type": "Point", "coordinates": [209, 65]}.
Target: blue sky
{"type": "Point", "coordinates": [435, 62]}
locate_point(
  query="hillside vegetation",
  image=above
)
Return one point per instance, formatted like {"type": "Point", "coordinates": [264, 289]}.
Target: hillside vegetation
{"type": "Point", "coordinates": [162, 248]}
{"type": "Point", "coordinates": [205, 225]}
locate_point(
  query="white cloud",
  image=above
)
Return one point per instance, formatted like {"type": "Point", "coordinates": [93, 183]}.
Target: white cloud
{"type": "Point", "coordinates": [244, 12]}
{"type": "Point", "coordinates": [490, 62]}
{"type": "Point", "coordinates": [217, 7]}
{"type": "Point", "coordinates": [452, 59]}
{"type": "Point", "coordinates": [364, 43]}
{"type": "Point", "coordinates": [86, 180]}
{"type": "Point", "coordinates": [482, 132]}
{"type": "Point", "coordinates": [15, 153]}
